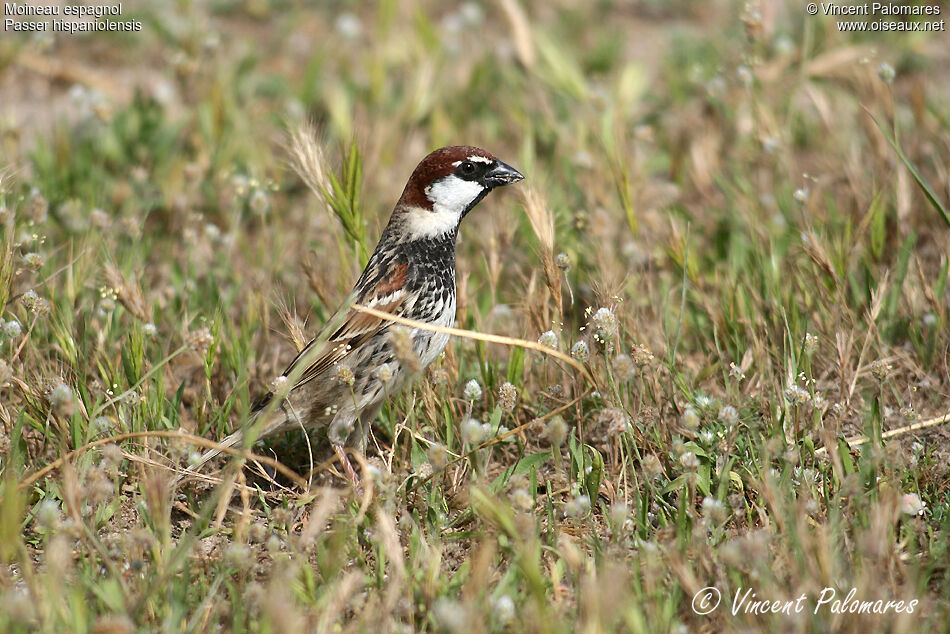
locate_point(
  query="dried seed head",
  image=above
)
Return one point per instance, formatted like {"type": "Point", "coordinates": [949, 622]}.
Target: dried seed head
{"type": "Point", "coordinates": [503, 606]}
{"type": "Point", "coordinates": [438, 456]}
{"type": "Point", "coordinates": [642, 355]}
{"type": "Point", "coordinates": [238, 555]}
{"type": "Point", "coordinates": [99, 487]}
{"type": "Point", "coordinates": [507, 396]}
{"type": "Point", "coordinates": [401, 341]}
{"type": "Point", "coordinates": [345, 375]}
{"type": "Point", "coordinates": [880, 369]}
{"type": "Point", "coordinates": [47, 515]}
{"type": "Point", "coordinates": [259, 202]}
{"type": "Point", "coordinates": [38, 209]}
{"type": "Point", "coordinates": [624, 367]}
{"type": "Point", "coordinates": [99, 219]}
{"type": "Point", "coordinates": [556, 431]}
{"type": "Point", "coordinates": [614, 419]}
{"type": "Point", "coordinates": [29, 299]}
{"type": "Point", "coordinates": [258, 532]}
{"type": "Point", "coordinates": [199, 340]}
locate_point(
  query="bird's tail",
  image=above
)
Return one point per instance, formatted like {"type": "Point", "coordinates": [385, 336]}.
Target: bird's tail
{"type": "Point", "coordinates": [274, 422]}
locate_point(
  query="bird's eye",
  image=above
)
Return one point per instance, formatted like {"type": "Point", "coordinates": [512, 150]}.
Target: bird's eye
{"type": "Point", "coordinates": [467, 167]}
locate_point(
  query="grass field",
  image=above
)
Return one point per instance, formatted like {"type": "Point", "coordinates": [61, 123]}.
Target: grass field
{"type": "Point", "coordinates": [734, 221]}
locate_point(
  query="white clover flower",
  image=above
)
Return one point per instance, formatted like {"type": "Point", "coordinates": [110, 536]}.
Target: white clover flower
{"type": "Point", "coordinates": [348, 25]}
{"type": "Point", "coordinates": [651, 465]}
{"type": "Point", "coordinates": [729, 415]}
{"type": "Point", "coordinates": [12, 329]}
{"type": "Point", "coordinates": [736, 372]}
{"type": "Point", "coordinates": [714, 509]}
{"type": "Point", "coordinates": [580, 351]}
{"type": "Point", "coordinates": [797, 395]}
{"type": "Point", "coordinates": [472, 391]}
{"type": "Point", "coordinates": [578, 506]}
{"type": "Point", "coordinates": [604, 324]}
{"type": "Point", "coordinates": [689, 461]}
{"type": "Point", "coordinates": [563, 262]}
{"type": "Point", "coordinates": [472, 431]}
{"type": "Point", "coordinates": [690, 418]}
{"type": "Point", "coordinates": [149, 330]}
{"type": "Point", "coordinates": [886, 72]}
{"type": "Point", "coordinates": [911, 504]}
{"type": "Point", "coordinates": [384, 373]}
{"type": "Point", "coordinates": [549, 339]}
{"type": "Point", "coordinates": [504, 607]}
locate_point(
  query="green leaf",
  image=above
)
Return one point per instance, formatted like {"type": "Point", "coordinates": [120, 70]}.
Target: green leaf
{"type": "Point", "coordinates": [918, 177]}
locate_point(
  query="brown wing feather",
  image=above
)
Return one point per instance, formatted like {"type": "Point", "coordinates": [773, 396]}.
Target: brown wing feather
{"type": "Point", "coordinates": [355, 329]}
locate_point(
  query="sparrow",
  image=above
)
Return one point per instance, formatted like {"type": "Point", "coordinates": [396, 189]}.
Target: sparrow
{"type": "Point", "coordinates": [339, 381]}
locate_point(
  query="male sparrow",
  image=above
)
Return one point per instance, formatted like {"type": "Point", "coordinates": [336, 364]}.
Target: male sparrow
{"type": "Point", "coordinates": [339, 381]}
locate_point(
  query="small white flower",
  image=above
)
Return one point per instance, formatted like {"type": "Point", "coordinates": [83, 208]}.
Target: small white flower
{"type": "Point", "coordinates": [690, 418]}
{"type": "Point", "coordinates": [472, 431]}
{"type": "Point", "coordinates": [384, 373]}
{"type": "Point", "coordinates": [911, 504]}
{"type": "Point", "coordinates": [149, 330]}
{"type": "Point", "coordinates": [472, 391]}
{"type": "Point", "coordinates": [549, 339]}
{"type": "Point", "coordinates": [578, 506]}
{"type": "Point", "coordinates": [729, 415]}
{"type": "Point", "coordinates": [504, 607]}
{"type": "Point", "coordinates": [349, 26]}
{"type": "Point", "coordinates": [580, 351]}
{"type": "Point", "coordinates": [11, 329]}
{"type": "Point", "coordinates": [886, 72]}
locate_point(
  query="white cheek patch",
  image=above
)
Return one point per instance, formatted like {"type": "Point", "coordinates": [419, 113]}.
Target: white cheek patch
{"type": "Point", "coordinates": [453, 194]}
{"type": "Point", "coordinates": [422, 223]}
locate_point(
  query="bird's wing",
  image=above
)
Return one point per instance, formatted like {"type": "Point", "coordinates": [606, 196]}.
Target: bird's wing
{"type": "Point", "coordinates": [350, 328]}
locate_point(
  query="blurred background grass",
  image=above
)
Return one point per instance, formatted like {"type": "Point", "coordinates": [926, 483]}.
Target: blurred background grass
{"type": "Point", "coordinates": [740, 255]}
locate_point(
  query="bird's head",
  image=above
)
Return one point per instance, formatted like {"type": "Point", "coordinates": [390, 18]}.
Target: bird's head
{"type": "Point", "coordinates": [445, 186]}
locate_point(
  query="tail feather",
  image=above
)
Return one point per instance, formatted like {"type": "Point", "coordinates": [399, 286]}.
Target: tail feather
{"type": "Point", "coordinates": [277, 421]}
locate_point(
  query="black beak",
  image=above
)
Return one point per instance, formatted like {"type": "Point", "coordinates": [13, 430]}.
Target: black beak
{"type": "Point", "coordinates": [501, 174]}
